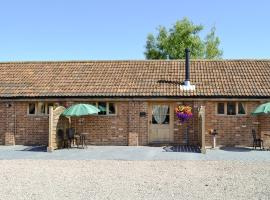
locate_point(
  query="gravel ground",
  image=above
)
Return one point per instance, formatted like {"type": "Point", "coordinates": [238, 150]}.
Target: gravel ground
{"type": "Point", "coordinates": [60, 179]}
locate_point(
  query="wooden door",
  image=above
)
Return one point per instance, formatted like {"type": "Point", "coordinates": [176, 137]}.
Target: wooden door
{"type": "Point", "coordinates": [161, 121]}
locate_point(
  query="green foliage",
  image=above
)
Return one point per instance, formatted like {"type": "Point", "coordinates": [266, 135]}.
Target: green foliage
{"type": "Point", "coordinates": [211, 46]}
{"type": "Point", "coordinates": [171, 44]}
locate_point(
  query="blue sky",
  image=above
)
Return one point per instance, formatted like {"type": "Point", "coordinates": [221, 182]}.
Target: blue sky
{"type": "Point", "coordinates": [117, 29]}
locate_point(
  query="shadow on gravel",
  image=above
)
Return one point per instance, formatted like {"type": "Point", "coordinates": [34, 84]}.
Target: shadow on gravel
{"type": "Point", "coordinates": [35, 149]}
{"type": "Point", "coordinates": [236, 149]}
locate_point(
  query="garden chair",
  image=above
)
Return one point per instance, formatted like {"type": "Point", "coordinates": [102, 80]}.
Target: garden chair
{"type": "Point", "coordinates": [70, 133]}
{"type": "Point", "coordinates": [257, 142]}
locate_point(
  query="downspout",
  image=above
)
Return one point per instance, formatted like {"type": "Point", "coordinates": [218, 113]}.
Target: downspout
{"type": "Point", "coordinates": [128, 122]}
{"type": "Point", "coordinates": [15, 122]}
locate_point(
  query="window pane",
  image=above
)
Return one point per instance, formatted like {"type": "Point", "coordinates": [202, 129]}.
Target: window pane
{"type": "Point", "coordinates": [221, 109]}
{"type": "Point", "coordinates": [168, 109]}
{"type": "Point", "coordinates": [167, 120]}
{"type": "Point", "coordinates": [231, 108]}
{"type": "Point", "coordinates": [93, 103]}
{"type": "Point", "coordinates": [102, 108]}
{"type": "Point", "coordinates": [241, 109]}
{"type": "Point", "coordinates": [32, 108]}
{"type": "Point", "coordinates": [41, 108]}
{"type": "Point", "coordinates": [112, 109]}
{"type": "Point", "coordinates": [160, 114]}
{"type": "Point", "coordinates": [154, 121]}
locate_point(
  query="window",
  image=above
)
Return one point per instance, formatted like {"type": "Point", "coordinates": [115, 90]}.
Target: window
{"type": "Point", "coordinates": [41, 108]}
{"type": "Point", "coordinates": [161, 114]}
{"type": "Point", "coordinates": [106, 108]}
{"type": "Point", "coordinates": [231, 108]}
{"type": "Point", "coordinates": [112, 110]}
{"type": "Point", "coordinates": [102, 106]}
{"type": "Point", "coordinates": [221, 109]}
{"type": "Point", "coordinates": [93, 103]}
{"type": "Point", "coordinates": [31, 108]}
{"type": "Point", "coordinates": [241, 109]}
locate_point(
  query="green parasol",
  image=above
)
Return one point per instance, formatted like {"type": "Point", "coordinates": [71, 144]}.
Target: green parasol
{"type": "Point", "coordinates": [262, 109]}
{"type": "Point", "coordinates": [80, 110]}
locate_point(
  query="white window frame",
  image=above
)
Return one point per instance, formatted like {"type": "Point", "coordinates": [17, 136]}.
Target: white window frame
{"type": "Point", "coordinates": [236, 108]}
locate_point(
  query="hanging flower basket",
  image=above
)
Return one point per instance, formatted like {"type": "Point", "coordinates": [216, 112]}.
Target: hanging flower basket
{"type": "Point", "coordinates": [183, 113]}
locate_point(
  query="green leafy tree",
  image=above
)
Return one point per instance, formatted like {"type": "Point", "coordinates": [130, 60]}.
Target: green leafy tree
{"type": "Point", "coordinates": [211, 45]}
{"type": "Point", "coordinates": [171, 44]}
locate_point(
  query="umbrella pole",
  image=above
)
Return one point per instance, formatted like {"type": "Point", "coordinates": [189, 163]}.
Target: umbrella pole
{"type": "Point", "coordinates": [75, 125]}
{"type": "Point", "coordinates": [69, 122]}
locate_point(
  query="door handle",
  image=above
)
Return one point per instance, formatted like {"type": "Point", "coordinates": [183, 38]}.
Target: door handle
{"type": "Point", "coordinates": [150, 122]}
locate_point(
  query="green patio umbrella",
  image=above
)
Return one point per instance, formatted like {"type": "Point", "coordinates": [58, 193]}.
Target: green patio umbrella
{"type": "Point", "coordinates": [80, 110]}
{"type": "Point", "coordinates": [262, 109]}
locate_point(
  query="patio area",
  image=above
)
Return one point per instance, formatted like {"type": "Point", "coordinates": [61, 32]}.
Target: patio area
{"type": "Point", "coordinates": [129, 153]}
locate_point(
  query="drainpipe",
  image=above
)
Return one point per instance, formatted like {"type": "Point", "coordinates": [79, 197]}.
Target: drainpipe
{"type": "Point", "coordinates": [15, 122]}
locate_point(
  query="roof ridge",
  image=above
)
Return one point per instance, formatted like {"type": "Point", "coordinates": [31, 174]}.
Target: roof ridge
{"type": "Point", "coordinates": [107, 61]}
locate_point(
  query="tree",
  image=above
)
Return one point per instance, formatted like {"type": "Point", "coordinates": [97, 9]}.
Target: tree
{"type": "Point", "coordinates": [211, 45]}
{"type": "Point", "coordinates": [171, 44]}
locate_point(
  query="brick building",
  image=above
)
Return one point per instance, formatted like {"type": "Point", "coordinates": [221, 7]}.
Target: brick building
{"type": "Point", "coordinates": [138, 100]}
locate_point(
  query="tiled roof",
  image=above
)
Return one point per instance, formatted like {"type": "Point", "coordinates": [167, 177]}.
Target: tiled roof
{"type": "Point", "coordinates": [223, 78]}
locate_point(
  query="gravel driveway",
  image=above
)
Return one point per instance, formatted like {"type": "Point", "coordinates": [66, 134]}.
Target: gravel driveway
{"type": "Point", "coordinates": [112, 179]}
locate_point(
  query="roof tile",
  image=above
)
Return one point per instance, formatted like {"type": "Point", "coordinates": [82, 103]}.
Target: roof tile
{"type": "Point", "coordinates": [134, 78]}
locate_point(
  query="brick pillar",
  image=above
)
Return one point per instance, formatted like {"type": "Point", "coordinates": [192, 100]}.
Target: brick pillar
{"type": "Point", "coordinates": [264, 129]}
{"type": "Point", "coordinates": [133, 139]}
{"type": "Point", "coordinates": [138, 123]}
{"type": "Point", "coordinates": [9, 136]}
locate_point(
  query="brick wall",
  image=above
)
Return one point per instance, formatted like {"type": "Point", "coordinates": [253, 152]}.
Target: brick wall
{"type": "Point", "coordinates": [138, 124]}
{"type": "Point", "coordinates": [16, 125]}
{"type": "Point", "coordinates": [103, 130]}
{"type": "Point", "coordinates": [115, 130]}
{"type": "Point", "coordinates": [2, 122]}
{"type": "Point", "coordinates": [19, 128]}
{"type": "Point", "coordinates": [180, 135]}
{"type": "Point", "coordinates": [264, 129]}
{"type": "Point", "coordinates": [232, 130]}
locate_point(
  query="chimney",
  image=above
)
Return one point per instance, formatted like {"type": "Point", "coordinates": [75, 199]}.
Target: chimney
{"type": "Point", "coordinates": [187, 85]}
{"type": "Point", "coordinates": [187, 72]}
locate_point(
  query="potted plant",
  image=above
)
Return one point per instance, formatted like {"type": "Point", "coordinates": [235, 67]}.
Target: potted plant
{"type": "Point", "coordinates": [183, 113]}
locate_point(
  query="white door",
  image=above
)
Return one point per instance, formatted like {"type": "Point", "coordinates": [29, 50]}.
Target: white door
{"type": "Point", "coordinates": [160, 130]}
